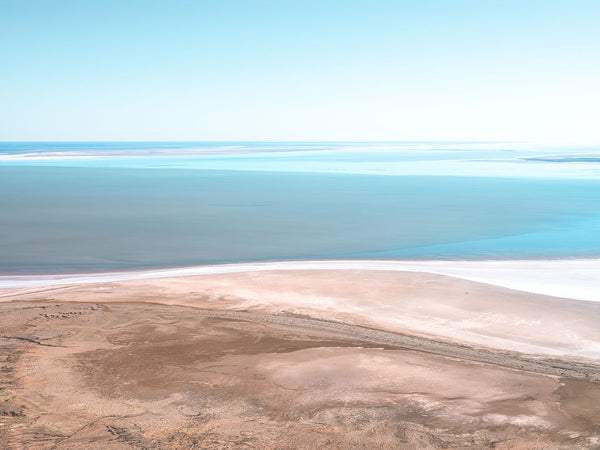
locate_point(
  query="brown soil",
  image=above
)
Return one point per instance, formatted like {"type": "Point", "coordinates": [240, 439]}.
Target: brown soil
{"type": "Point", "coordinates": [81, 374]}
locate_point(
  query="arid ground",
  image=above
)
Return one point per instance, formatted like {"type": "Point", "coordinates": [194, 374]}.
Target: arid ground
{"type": "Point", "coordinates": [297, 359]}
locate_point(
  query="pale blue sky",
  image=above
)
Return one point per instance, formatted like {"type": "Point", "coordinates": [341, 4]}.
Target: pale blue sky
{"type": "Point", "coordinates": [285, 70]}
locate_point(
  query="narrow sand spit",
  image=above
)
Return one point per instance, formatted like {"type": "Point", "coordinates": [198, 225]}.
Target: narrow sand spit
{"type": "Point", "coordinates": [344, 358]}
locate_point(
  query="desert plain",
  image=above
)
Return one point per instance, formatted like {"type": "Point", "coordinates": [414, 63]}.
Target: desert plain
{"type": "Point", "coordinates": [297, 359]}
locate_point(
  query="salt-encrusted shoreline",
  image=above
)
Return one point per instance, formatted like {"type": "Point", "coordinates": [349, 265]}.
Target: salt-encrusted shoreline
{"type": "Point", "coordinates": [567, 278]}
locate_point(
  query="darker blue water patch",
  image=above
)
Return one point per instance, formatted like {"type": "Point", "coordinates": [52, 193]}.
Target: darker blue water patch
{"type": "Point", "coordinates": [62, 219]}
{"type": "Point", "coordinates": [567, 158]}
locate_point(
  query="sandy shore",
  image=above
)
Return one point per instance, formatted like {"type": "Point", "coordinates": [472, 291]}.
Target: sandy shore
{"type": "Point", "coordinates": [346, 358]}
{"type": "Point", "coordinates": [420, 303]}
{"type": "Point", "coordinates": [567, 278]}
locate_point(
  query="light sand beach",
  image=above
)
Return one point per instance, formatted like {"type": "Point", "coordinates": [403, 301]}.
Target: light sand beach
{"type": "Point", "coordinates": [421, 303]}
{"type": "Point", "coordinates": [567, 278]}
{"type": "Point", "coordinates": [305, 358]}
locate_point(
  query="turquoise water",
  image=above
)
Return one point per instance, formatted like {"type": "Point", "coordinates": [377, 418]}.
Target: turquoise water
{"type": "Point", "coordinates": [105, 206]}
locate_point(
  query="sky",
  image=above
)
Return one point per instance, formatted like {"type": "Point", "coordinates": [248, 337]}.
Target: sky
{"type": "Point", "coordinates": [149, 70]}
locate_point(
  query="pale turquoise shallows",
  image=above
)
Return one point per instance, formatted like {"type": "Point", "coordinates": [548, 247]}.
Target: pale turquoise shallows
{"type": "Point", "coordinates": [87, 207]}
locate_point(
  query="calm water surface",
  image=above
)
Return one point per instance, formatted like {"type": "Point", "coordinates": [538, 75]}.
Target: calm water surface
{"type": "Point", "coordinates": [105, 206]}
